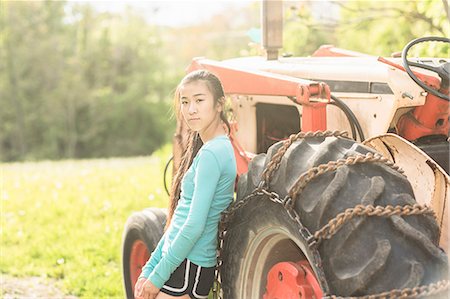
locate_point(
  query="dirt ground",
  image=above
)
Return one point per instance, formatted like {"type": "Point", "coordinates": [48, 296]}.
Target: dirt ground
{"type": "Point", "coordinates": [30, 287]}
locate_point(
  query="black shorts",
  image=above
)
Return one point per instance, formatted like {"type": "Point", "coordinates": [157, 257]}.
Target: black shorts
{"type": "Point", "coordinates": [191, 279]}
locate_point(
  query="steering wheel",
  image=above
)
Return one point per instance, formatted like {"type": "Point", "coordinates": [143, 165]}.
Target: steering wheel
{"type": "Point", "coordinates": [442, 70]}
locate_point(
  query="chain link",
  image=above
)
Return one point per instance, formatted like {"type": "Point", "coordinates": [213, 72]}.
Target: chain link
{"type": "Point", "coordinates": [334, 224]}
{"type": "Point", "coordinates": [314, 172]}
{"type": "Point", "coordinates": [274, 163]}
{"type": "Point", "coordinates": [417, 292]}
{"type": "Point", "coordinates": [223, 225]}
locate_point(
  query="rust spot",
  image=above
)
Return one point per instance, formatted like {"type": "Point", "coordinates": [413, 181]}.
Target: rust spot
{"type": "Point", "coordinates": [389, 150]}
{"type": "Point", "coordinates": [431, 164]}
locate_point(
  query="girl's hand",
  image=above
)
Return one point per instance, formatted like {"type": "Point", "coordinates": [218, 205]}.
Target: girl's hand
{"type": "Point", "coordinates": [145, 289]}
{"type": "Point", "coordinates": [138, 287]}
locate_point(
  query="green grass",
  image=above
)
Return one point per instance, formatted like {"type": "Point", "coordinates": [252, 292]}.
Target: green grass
{"type": "Point", "coordinates": [65, 219]}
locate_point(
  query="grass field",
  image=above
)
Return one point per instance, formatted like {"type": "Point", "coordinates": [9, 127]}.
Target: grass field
{"type": "Point", "coordinates": [65, 219]}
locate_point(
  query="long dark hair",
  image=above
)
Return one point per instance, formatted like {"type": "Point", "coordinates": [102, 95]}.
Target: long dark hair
{"type": "Point", "coordinates": [194, 142]}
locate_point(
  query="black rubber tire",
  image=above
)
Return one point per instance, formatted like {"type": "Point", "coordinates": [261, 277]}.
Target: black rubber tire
{"type": "Point", "coordinates": [367, 256]}
{"type": "Point", "coordinates": [147, 226]}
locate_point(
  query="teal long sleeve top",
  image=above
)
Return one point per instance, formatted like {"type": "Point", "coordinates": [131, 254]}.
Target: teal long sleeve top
{"type": "Point", "coordinates": [207, 189]}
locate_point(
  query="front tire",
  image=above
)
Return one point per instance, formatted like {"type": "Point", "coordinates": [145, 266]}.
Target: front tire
{"type": "Point", "coordinates": [143, 230]}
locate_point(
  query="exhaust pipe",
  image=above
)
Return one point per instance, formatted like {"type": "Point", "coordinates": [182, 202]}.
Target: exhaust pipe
{"type": "Point", "coordinates": [272, 27]}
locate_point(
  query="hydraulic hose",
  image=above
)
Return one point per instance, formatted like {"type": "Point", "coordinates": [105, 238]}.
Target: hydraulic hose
{"type": "Point", "coordinates": [351, 117]}
{"type": "Point", "coordinates": [352, 125]}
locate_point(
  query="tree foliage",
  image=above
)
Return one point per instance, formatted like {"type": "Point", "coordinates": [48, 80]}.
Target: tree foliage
{"type": "Point", "coordinates": [385, 27]}
{"type": "Point", "coordinates": [301, 35]}
{"type": "Point", "coordinates": [369, 26]}
{"type": "Point", "coordinates": [78, 84]}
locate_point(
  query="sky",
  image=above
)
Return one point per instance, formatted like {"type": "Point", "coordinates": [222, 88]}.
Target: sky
{"type": "Point", "coordinates": [169, 12]}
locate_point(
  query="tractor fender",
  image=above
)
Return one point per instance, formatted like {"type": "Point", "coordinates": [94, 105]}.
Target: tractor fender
{"type": "Point", "coordinates": [431, 184]}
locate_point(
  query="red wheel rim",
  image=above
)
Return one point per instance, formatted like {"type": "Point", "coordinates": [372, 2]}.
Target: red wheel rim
{"type": "Point", "coordinates": [138, 257]}
{"type": "Point", "coordinates": [292, 280]}
{"type": "Point", "coordinates": [269, 247]}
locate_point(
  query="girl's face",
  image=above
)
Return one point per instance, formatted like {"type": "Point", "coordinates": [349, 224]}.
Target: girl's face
{"type": "Point", "coordinates": [198, 107]}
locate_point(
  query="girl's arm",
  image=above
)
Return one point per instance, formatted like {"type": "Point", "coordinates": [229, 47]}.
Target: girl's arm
{"type": "Point", "coordinates": [206, 179]}
{"type": "Point", "coordinates": [153, 260]}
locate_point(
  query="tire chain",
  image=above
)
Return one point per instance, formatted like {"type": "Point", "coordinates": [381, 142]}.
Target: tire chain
{"type": "Point", "coordinates": [417, 292]}
{"type": "Point", "coordinates": [333, 226]}
{"type": "Point", "coordinates": [314, 172]}
{"type": "Point", "coordinates": [274, 163]}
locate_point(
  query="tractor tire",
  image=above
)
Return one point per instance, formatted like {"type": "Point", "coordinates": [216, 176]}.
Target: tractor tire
{"type": "Point", "coordinates": [368, 255]}
{"type": "Point", "coordinates": [143, 230]}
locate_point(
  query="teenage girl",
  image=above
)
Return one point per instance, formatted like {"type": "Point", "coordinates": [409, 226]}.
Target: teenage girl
{"type": "Point", "coordinates": [183, 263]}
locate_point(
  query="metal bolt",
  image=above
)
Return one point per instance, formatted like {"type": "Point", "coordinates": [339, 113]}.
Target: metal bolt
{"type": "Point", "coordinates": [407, 95]}
{"type": "Point", "coordinates": [280, 276]}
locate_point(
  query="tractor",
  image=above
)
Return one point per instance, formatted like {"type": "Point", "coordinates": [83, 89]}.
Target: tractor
{"type": "Point", "coordinates": [320, 212]}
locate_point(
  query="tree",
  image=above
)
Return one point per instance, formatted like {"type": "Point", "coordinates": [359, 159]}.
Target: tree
{"type": "Point", "coordinates": [385, 27]}
{"type": "Point", "coordinates": [79, 84]}
{"type": "Point", "coordinates": [27, 75]}
{"type": "Point", "coordinates": [368, 26]}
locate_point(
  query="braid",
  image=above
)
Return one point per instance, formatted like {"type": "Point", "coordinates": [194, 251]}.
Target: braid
{"type": "Point", "coordinates": [193, 146]}
{"type": "Point", "coordinates": [225, 120]}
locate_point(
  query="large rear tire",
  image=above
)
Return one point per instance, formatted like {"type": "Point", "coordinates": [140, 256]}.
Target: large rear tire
{"type": "Point", "coordinates": [143, 230]}
{"type": "Point", "coordinates": [368, 255]}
